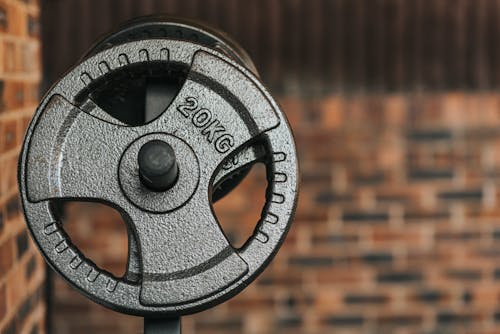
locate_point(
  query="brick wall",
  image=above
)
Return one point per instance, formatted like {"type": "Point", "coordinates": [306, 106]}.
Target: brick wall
{"type": "Point", "coordinates": [397, 228]}
{"type": "Point", "coordinates": [22, 307]}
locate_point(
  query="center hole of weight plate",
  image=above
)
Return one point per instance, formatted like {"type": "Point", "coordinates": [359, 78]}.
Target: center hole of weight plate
{"type": "Point", "coordinates": [158, 169]}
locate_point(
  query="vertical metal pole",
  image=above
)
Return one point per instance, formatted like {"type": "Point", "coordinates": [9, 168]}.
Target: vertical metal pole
{"type": "Point", "coordinates": [162, 326]}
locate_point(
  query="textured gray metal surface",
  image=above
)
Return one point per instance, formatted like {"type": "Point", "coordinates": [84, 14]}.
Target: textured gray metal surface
{"type": "Point", "coordinates": [180, 261]}
{"type": "Point", "coordinates": [161, 26]}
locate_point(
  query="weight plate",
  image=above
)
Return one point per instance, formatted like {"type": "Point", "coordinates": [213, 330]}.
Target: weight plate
{"type": "Point", "coordinates": [166, 27]}
{"type": "Point", "coordinates": [184, 262]}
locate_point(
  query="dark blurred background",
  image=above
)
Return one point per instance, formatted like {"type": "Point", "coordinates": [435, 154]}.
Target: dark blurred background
{"type": "Point", "coordinates": [319, 46]}
{"type": "Point", "coordinates": [396, 114]}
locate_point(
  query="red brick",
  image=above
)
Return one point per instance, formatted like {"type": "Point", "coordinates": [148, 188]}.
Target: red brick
{"type": "Point", "coordinates": [21, 277]}
{"type": "Point", "coordinates": [332, 113]}
{"type": "Point", "coordinates": [14, 95]}
{"type": "Point", "coordinates": [10, 56]}
{"type": "Point", "coordinates": [6, 256]}
{"type": "Point", "coordinates": [9, 135]}
{"type": "Point", "coordinates": [3, 302]}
